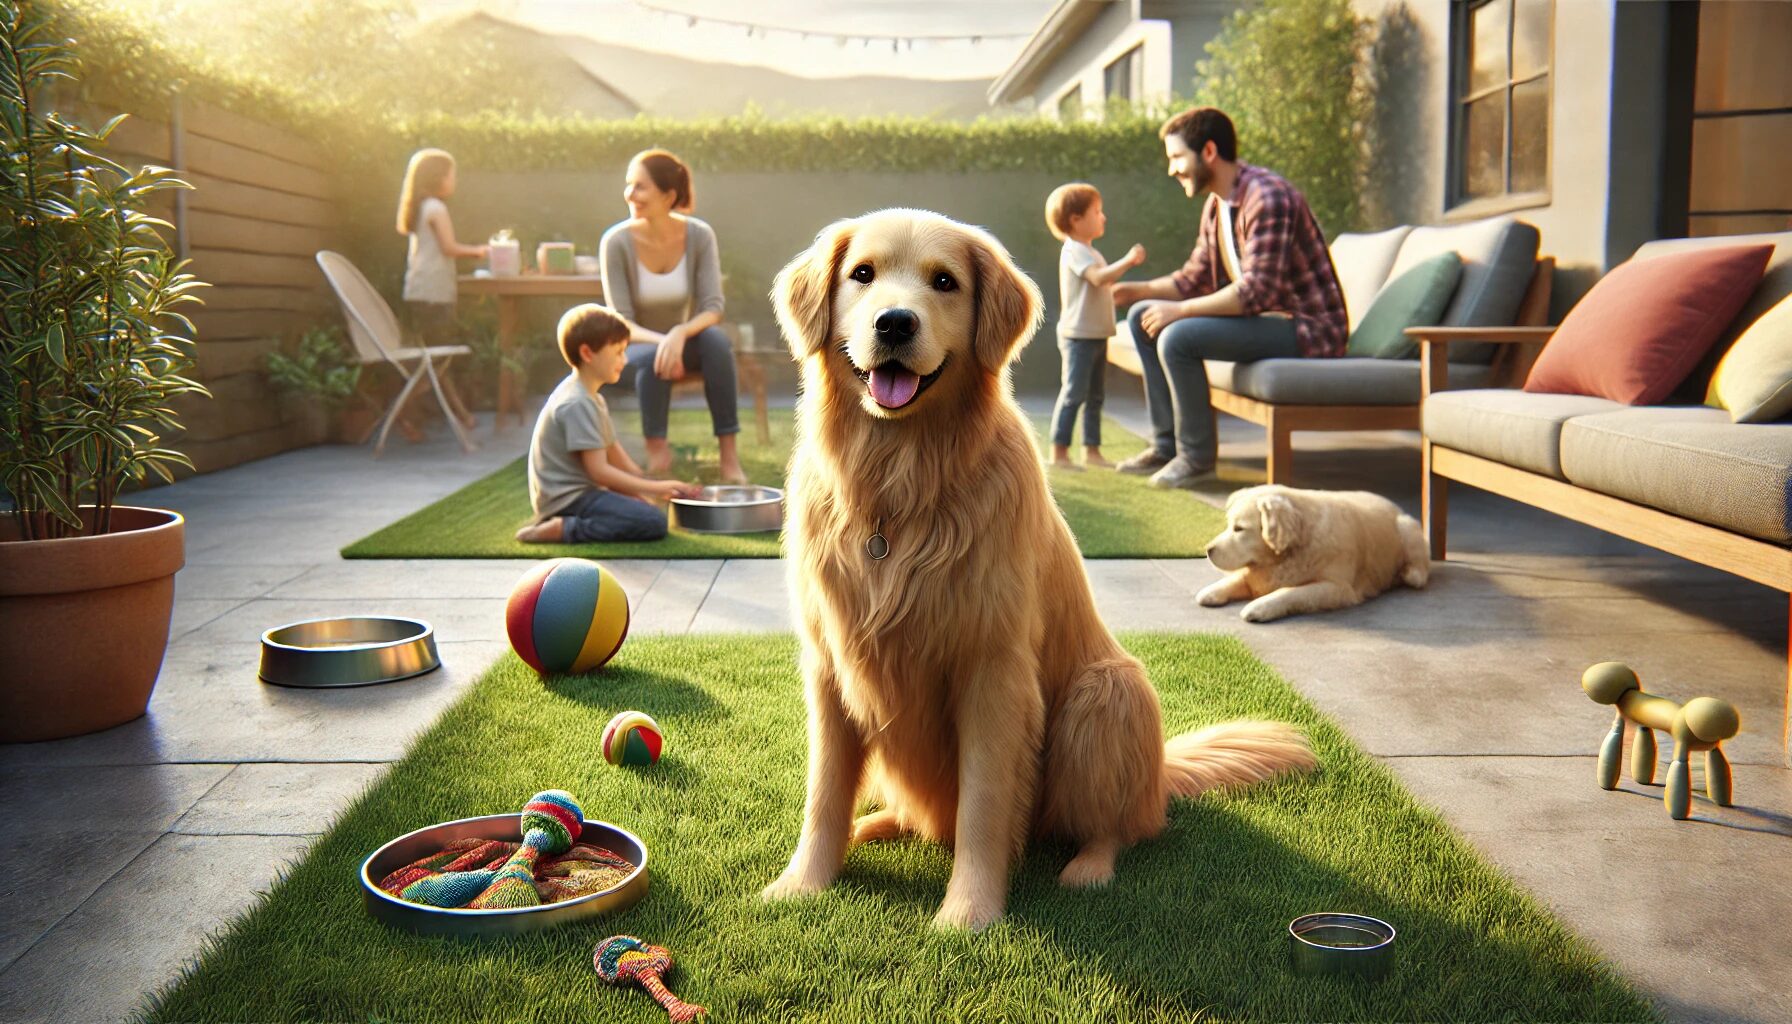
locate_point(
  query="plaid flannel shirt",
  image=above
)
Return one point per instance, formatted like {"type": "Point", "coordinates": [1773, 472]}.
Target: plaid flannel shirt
{"type": "Point", "coordinates": [1285, 266]}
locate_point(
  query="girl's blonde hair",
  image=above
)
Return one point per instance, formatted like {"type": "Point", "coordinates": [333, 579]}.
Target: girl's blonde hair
{"type": "Point", "coordinates": [429, 169]}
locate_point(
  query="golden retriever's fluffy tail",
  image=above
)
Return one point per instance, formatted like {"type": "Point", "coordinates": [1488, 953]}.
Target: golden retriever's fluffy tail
{"type": "Point", "coordinates": [1233, 754]}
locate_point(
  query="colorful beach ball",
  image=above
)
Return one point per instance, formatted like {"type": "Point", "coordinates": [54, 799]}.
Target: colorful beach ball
{"type": "Point", "coordinates": [567, 615]}
{"type": "Point", "coordinates": [632, 738]}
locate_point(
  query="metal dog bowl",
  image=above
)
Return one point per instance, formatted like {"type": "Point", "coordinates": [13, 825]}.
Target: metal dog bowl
{"type": "Point", "coordinates": [423, 920]}
{"type": "Point", "coordinates": [731, 509]}
{"type": "Point", "coordinates": [1341, 945]}
{"type": "Point", "coordinates": [356, 651]}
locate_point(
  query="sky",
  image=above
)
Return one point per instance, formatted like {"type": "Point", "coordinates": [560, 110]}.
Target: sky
{"type": "Point", "coordinates": [1006, 22]}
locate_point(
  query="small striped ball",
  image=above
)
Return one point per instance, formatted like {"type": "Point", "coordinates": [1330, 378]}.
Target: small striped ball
{"type": "Point", "coordinates": [632, 738]}
{"type": "Point", "coordinates": [557, 813]}
{"type": "Point", "coordinates": [567, 615]}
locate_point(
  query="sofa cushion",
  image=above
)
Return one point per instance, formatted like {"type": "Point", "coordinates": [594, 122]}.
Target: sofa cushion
{"type": "Point", "coordinates": [1754, 381]}
{"type": "Point", "coordinates": [1362, 263]}
{"type": "Point", "coordinates": [1348, 381]}
{"type": "Point", "coordinates": [1498, 258]}
{"type": "Point", "coordinates": [1775, 285]}
{"type": "Point", "coordinates": [1645, 325]}
{"type": "Point", "coordinates": [1688, 460]}
{"type": "Point", "coordinates": [1512, 427]}
{"type": "Point", "coordinates": [1416, 298]}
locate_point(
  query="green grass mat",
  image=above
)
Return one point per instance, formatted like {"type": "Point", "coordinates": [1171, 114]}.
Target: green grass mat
{"type": "Point", "coordinates": [1192, 928]}
{"type": "Point", "coordinates": [1112, 515]}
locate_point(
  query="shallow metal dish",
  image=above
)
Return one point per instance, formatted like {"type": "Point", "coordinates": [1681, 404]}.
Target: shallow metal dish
{"type": "Point", "coordinates": [731, 509]}
{"type": "Point", "coordinates": [423, 920]}
{"type": "Point", "coordinates": [1341, 945]}
{"type": "Point", "coordinates": [355, 651]}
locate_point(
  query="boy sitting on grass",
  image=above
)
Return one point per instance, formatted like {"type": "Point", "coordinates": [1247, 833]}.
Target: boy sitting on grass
{"type": "Point", "coordinates": [583, 486]}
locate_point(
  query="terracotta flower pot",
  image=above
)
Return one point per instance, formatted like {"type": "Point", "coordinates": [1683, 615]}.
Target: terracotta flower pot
{"type": "Point", "coordinates": [84, 623]}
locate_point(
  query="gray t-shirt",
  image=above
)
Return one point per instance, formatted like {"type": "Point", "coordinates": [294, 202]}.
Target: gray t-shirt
{"type": "Point", "coordinates": [1084, 310]}
{"type": "Point", "coordinates": [574, 420]}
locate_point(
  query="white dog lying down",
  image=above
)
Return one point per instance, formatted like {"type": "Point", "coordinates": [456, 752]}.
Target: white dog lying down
{"type": "Point", "coordinates": [1312, 551]}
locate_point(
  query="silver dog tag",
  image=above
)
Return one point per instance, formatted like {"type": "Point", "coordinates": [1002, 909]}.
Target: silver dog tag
{"type": "Point", "coordinates": [877, 547]}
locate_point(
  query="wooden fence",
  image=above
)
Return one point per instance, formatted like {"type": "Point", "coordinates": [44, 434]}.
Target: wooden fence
{"type": "Point", "coordinates": [263, 203]}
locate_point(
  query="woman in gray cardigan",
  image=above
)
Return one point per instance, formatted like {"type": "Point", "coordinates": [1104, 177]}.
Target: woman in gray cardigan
{"type": "Point", "coordinates": [662, 274]}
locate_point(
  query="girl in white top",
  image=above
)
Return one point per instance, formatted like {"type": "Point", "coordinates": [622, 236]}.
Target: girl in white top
{"type": "Point", "coordinates": [429, 288]}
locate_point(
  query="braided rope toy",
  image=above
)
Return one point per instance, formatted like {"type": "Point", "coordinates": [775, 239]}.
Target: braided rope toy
{"type": "Point", "coordinates": [552, 820]}
{"type": "Point", "coordinates": [620, 959]}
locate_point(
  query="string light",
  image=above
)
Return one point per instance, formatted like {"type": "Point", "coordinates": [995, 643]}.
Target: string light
{"type": "Point", "coordinates": [756, 29]}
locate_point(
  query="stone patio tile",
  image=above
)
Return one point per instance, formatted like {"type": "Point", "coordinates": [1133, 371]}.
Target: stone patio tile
{"type": "Point", "coordinates": [209, 706]}
{"type": "Point", "coordinates": [141, 927]}
{"type": "Point", "coordinates": [751, 595]}
{"type": "Point", "coordinates": [671, 600]}
{"type": "Point", "coordinates": [455, 619]}
{"type": "Point", "coordinates": [278, 799]}
{"type": "Point", "coordinates": [120, 812]}
{"type": "Point", "coordinates": [192, 613]}
{"type": "Point", "coordinates": [406, 578]}
{"type": "Point", "coordinates": [1680, 904]}
{"type": "Point", "coordinates": [239, 581]}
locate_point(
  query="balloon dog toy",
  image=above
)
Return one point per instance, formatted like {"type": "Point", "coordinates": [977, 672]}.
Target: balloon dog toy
{"type": "Point", "coordinates": [1702, 724]}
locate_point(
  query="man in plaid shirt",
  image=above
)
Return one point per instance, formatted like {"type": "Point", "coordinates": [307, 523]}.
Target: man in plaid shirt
{"type": "Point", "coordinates": [1259, 285]}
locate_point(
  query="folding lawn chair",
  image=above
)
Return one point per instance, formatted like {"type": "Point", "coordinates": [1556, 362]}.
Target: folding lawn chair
{"type": "Point", "coordinates": [378, 339]}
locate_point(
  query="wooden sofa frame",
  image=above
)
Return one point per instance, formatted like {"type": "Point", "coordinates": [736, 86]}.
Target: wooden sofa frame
{"type": "Point", "coordinates": [1752, 559]}
{"type": "Point", "coordinates": [1280, 421]}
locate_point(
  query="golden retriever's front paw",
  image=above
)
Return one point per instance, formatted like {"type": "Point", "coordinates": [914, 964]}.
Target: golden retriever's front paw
{"type": "Point", "coordinates": [961, 914]}
{"type": "Point", "coordinates": [1262, 611]}
{"type": "Point", "coordinates": [792, 884]}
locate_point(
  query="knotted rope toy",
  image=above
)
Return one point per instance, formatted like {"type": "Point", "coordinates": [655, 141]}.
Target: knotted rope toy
{"type": "Point", "coordinates": [552, 820]}
{"type": "Point", "coordinates": [620, 959]}
{"type": "Point", "coordinates": [1703, 724]}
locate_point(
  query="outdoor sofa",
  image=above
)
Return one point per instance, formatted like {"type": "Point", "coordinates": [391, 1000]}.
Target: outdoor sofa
{"type": "Point", "coordinates": [1503, 283]}
{"type": "Point", "coordinates": [1681, 478]}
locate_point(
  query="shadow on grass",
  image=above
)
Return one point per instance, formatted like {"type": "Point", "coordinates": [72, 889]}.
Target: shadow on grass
{"type": "Point", "coordinates": [1195, 923]}
{"type": "Point", "coordinates": [630, 688]}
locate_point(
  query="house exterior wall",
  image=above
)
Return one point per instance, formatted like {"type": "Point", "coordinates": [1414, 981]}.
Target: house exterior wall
{"type": "Point", "coordinates": [1611, 158]}
{"type": "Point", "coordinates": [1116, 30]}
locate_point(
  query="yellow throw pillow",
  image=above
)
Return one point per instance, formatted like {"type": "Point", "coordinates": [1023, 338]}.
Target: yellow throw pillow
{"type": "Point", "coordinates": [1754, 380]}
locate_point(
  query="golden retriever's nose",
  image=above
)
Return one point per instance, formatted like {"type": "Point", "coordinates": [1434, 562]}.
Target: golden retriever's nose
{"type": "Point", "coordinates": [896, 326]}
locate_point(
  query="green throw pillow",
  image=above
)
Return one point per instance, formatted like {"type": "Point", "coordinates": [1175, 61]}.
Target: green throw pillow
{"type": "Point", "coordinates": [1416, 298]}
{"type": "Point", "coordinates": [1754, 381]}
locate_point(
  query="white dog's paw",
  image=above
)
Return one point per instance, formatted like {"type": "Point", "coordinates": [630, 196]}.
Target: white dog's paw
{"type": "Point", "coordinates": [1262, 611]}
{"type": "Point", "coordinates": [1213, 596]}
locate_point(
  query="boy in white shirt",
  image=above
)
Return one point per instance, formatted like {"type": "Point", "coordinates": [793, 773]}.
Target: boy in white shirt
{"type": "Point", "coordinates": [583, 486]}
{"type": "Point", "coordinates": [1085, 316]}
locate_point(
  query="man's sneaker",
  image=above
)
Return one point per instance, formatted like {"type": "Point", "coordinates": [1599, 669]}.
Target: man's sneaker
{"type": "Point", "coordinates": [1148, 461]}
{"type": "Point", "coordinates": [1180, 471]}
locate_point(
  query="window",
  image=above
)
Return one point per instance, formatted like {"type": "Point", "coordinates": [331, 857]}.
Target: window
{"type": "Point", "coordinates": [1070, 105]}
{"type": "Point", "coordinates": [1501, 99]}
{"type": "Point", "coordinates": [1124, 79]}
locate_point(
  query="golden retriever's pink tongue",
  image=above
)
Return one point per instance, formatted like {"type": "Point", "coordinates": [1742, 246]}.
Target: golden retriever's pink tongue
{"type": "Point", "coordinates": [893, 386]}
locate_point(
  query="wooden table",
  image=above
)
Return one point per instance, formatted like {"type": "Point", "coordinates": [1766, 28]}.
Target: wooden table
{"type": "Point", "coordinates": [507, 290]}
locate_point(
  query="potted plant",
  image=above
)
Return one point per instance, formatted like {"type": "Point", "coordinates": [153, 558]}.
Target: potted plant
{"type": "Point", "coordinates": [321, 376]}
{"type": "Point", "coordinates": [89, 361]}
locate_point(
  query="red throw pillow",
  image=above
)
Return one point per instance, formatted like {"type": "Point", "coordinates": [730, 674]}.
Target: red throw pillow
{"type": "Point", "coordinates": [1646, 324]}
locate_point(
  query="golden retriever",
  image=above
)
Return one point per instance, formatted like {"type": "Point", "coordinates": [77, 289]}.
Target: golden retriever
{"type": "Point", "coordinates": [962, 682]}
{"type": "Point", "coordinates": [1312, 551]}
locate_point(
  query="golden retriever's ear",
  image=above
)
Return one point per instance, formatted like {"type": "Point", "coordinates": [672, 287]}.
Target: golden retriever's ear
{"type": "Point", "coordinates": [803, 294]}
{"type": "Point", "coordinates": [1007, 303]}
{"type": "Point", "coordinates": [1280, 522]}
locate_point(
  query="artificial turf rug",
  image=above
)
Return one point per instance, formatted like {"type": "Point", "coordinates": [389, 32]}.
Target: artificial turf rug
{"type": "Point", "coordinates": [1113, 515]}
{"type": "Point", "coordinates": [1193, 927]}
